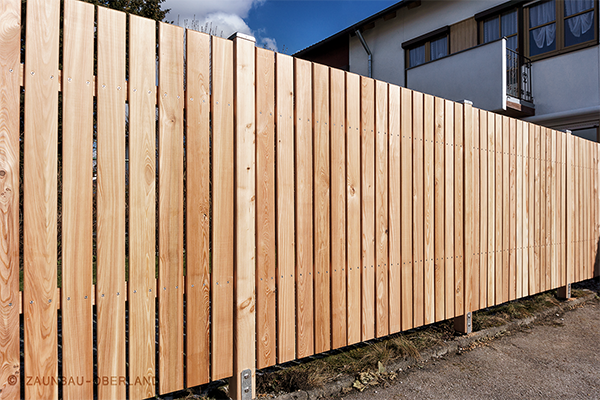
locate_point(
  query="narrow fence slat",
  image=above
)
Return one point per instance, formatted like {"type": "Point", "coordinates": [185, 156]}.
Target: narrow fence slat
{"type": "Point", "coordinates": [537, 205]}
{"type": "Point", "coordinates": [491, 237]}
{"type": "Point", "coordinates": [519, 271]}
{"type": "Point", "coordinates": [418, 211]}
{"type": "Point", "coordinates": [286, 251]}
{"type": "Point", "coordinates": [557, 227]}
{"type": "Point", "coordinates": [483, 201]}
{"type": "Point", "coordinates": [222, 209]}
{"type": "Point", "coordinates": [198, 208]}
{"type": "Point", "coordinates": [265, 209]}
{"type": "Point", "coordinates": [439, 217]}
{"type": "Point", "coordinates": [550, 211]}
{"type": "Point", "coordinates": [110, 286]}
{"type": "Point", "coordinates": [525, 205]}
{"type": "Point", "coordinates": [338, 209]}
{"type": "Point", "coordinates": [322, 208]}
{"type": "Point", "coordinates": [469, 205]}
{"type": "Point", "coordinates": [406, 151]}
{"type": "Point", "coordinates": [429, 213]}
{"type": "Point", "coordinates": [512, 253]}
{"type": "Point", "coordinates": [367, 121]}
{"type": "Point", "coordinates": [304, 205]}
{"type": "Point", "coordinates": [353, 191]}
{"type": "Point", "coordinates": [382, 327]}
{"type": "Point", "coordinates": [576, 208]}
{"type": "Point", "coordinates": [475, 286]}
{"type": "Point", "coordinates": [449, 211]}
{"type": "Point", "coordinates": [554, 213]}
{"type": "Point", "coordinates": [77, 247]}
{"type": "Point", "coordinates": [531, 210]}
{"type": "Point", "coordinates": [499, 275]}
{"type": "Point", "coordinates": [395, 210]}
{"type": "Point", "coordinates": [543, 210]}
{"type": "Point", "coordinates": [570, 203]}
{"type": "Point", "coordinates": [10, 54]}
{"type": "Point", "coordinates": [505, 207]}
{"type": "Point", "coordinates": [459, 207]}
{"type": "Point", "coordinates": [564, 188]}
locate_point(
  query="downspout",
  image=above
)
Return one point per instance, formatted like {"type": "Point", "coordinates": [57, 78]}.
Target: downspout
{"type": "Point", "coordinates": [362, 40]}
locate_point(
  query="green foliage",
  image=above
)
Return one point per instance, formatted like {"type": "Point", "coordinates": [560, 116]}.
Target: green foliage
{"type": "Point", "coordinates": [144, 8]}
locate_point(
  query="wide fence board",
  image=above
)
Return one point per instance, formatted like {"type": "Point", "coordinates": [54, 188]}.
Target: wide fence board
{"type": "Point", "coordinates": [367, 171]}
{"type": "Point", "coordinates": [519, 265]}
{"type": "Point", "coordinates": [304, 209]}
{"type": "Point", "coordinates": [525, 268]}
{"type": "Point", "coordinates": [222, 209]}
{"type": "Point", "coordinates": [418, 211]}
{"type": "Point", "coordinates": [10, 92]}
{"type": "Point", "coordinates": [322, 208]}
{"type": "Point", "coordinates": [381, 211]}
{"type": "Point", "coordinates": [449, 233]}
{"type": "Point", "coordinates": [476, 207]}
{"type": "Point", "coordinates": [512, 250]}
{"type": "Point", "coordinates": [286, 250]}
{"type": "Point", "coordinates": [353, 192]}
{"type": "Point", "coordinates": [499, 232]}
{"type": "Point", "coordinates": [469, 204]}
{"type": "Point", "coordinates": [110, 283]}
{"type": "Point", "coordinates": [439, 207]}
{"type": "Point", "coordinates": [198, 209]}
{"type": "Point", "coordinates": [406, 154]}
{"type": "Point", "coordinates": [429, 216]}
{"type": "Point", "coordinates": [77, 246]}
{"type": "Point", "coordinates": [338, 127]}
{"type": "Point", "coordinates": [459, 211]}
{"type": "Point", "coordinates": [491, 237]}
{"type": "Point", "coordinates": [483, 216]}
{"type": "Point", "coordinates": [265, 209]}
{"type": "Point", "coordinates": [505, 207]}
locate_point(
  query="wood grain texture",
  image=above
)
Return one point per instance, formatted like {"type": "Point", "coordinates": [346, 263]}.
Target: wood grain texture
{"type": "Point", "coordinates": [512, 254]}
{"type": "Point", "coordinates": [381, 210]}
{"type": "Point", "coordinates": [469, 204]}
{"type": "Point", "coordinates": [525, 194]}
{"type": "Point", "coordinates": [286, 246]}
{"type": "Point", "coordinates": [338, 209]}
{"type": "Point", "coordinates": [222, 209]}
{"type": "Point", "coordinates": [265, 209]}
{"type": "Point", "coordinates": [476, 250]}
{"type": "Point", "coordinates": [77, 247]}
{"type": "Point", "coordinates": [304, 209]}
{"type": "Point", "coordinates": [418, 212]}
{"type": "Point", "coordinates": [406, 153]}
{"type": "Point", "coordinates": [322, 208]}
{"type": "Point", "coordinates": [110, 283]}
{"type": "Point", "coordinates": [429, 213]}
{"type": "Point", "coordinates": [536, 212]}
{"type": "Point", "coordinates": [244, 311]}
{"type": "Point", "coordinates": [439, 217]}
{"type": "Point", "coordinates": [395, 210]}
{"type": "Point", "coordinates": [353, 191]}
{"type": "Point", "coordinates": [570, 198]}
{"type": "Point", "coordinates": [459, 211]}
{"type": "Point", "coordinates": [549, 210]}
{"type": "Point", "coordinates": [198, 208]}
{"type": "Point", "coordinates": [499, 278]}
{"type": "Point", "coordinates": [367, 144]}
{"type": "Point", "coordinates": [519, 265]}
{"type": "Point", "coordinates": [554, 209]}
{"type": "Point", "coordinates": [449, 211]}
{"type": "Point", "coordinates": [505, 207]}
{"type": "Point", "coordinates": [531, 210]}
{"type": "Point", "coordinates": [10, 93]}
{"type": "Point", "coordinates": [483, 200]}
{"type": "Point", "coordinates": [491, 236]}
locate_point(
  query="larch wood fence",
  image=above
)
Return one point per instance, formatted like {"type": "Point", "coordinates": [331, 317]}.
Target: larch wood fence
{"type": "Point", "coordinates": [224, 207]}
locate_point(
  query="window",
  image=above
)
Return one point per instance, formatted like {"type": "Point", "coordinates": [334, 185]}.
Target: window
{"type": "Point", "coordinates": [557, 25]}
{"type": "Point", "coordinates": [426, 48]}
{"type": "Point", "coordinates": [503, 25]}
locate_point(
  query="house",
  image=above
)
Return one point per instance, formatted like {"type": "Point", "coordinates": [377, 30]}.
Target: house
{"type": "Point", "coordinates": [535, 60]}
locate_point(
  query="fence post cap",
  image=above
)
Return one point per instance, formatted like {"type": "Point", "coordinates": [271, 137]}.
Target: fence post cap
{"type": "Point", "coordinates": [469, 102]}
{"type": "Point", "coordinates": [241, 35]}
{"type": "Point", "coordinates": [568, 131]}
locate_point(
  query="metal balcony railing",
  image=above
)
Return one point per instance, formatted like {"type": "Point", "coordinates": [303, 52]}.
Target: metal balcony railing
{"type": "Point", "coordinates": [518, 76]}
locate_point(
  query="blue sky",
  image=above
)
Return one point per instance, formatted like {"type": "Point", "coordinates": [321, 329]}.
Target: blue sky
{"type": "Point", "coordinates": [283, 25]}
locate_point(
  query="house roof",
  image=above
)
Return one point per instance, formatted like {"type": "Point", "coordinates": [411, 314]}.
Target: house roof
{"type": "Point", "coordinates": [358, 25]}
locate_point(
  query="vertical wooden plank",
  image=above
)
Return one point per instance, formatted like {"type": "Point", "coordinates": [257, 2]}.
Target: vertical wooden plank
{"type": "Point", "coordinates": [10, 95]}
{"type": "Point", "coordinates": [483, 201]}
{"type": "Point", "coordinates": [449, 233]}
{"type": "Point", "coordinates": [512, 265]}
{"type": "Point", "coordinates": [570, 205]}
{"type": "Point", "coordinates": [395, 210]}
{"type": "Point", "coordinates": [564, 214]}
{"type": "Point", "coordinates": [367, 144]}
{"type": "Point", "coordinates": [286, 248]}
{"type": "Point", "coordinates": [428, 197]}
{"type": "Point", "coordinates": [338, 209]}
{"type": "Point", "coordinates": [576, 208]}
{"type": "Point", "coordinates": [519, 269]}
{"type": "Point", "coordinates": [244, 267]}
{"type": "Point", "coordinates": [321, 208]}
{"type": "Point", "coordinates": [552, 240]}
{"type": "Point", "coordinates": [491, 261]}
{"type": "Point", "coordinates": [78, 109]}
{"type": "Point", "coordinates": [459, 210]}
{"type": "Point", "coordinates": [382, 327]}
{"type": "Point", "coordinates": [265, 208]}
{"type": "Point", "coordinates": [505, 206]}
{"type": "Point", "coordinates": [418, 212]}
{"type": "Point", "coordinates": [222, 212]}
{"type": "Point", "coordinates": [304, 204]}
{"type": "Point", "coordinates": [550, 208]}
{"type": "Point", "coordinates": [469, 204]}
{"type": "Point", "coordinates": [110, 282]}
{"type": "Point", "coordinates": [556, 196]}
{"type": "Point", "coordinates": [531, 210]}
{"type": "Point", "coordinates": [537, 205]}
{"type": "Point", "coordinates": [499, 278]}
{"type": "Point", "coordinates": [475, 286]}
{"type": "Point", "coordinates": [198, 205]}
{"type": "Point", "coordinates": [407, 217]}
{"type": "Point", "coordinates": [525, 205]}
{"type": "Point", "coordinates": [353, 191]}
{"type": "Point", "coordinates": [439, 217]}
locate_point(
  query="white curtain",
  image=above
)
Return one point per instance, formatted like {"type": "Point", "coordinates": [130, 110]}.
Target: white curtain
{"type": "Point", "coordinates": [439, 48]}
{"type": "Point", "coordinates": [582, 23]}
{"type": "Point", "coordinates": [509, 23]}
{"type": "Point", "coordinates": [491, 30]}
{"type": "Point", "coordinates": [416, 56]}
{"type": "Point", "coordinates": [539, 15]}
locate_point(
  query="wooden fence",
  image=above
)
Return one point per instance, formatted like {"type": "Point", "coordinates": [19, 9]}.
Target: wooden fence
{"type": "Point", "coordinates": [226, 207]}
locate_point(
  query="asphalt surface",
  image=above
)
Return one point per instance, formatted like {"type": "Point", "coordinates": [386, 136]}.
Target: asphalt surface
{"type": "Point", "coordinates": [555, 358]}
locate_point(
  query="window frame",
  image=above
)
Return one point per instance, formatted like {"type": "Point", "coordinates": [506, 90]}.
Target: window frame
{"type": "Point", "coordinates": [498, 15]}
{"type": "Point", "coordinates": [426, 40]}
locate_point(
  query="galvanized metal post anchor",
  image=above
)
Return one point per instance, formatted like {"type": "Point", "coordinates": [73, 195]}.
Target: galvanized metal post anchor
{"type": "Point", "coordinates": [564, 292]}
{"type": "Point", "coordinates": [246, 376]}
{"type": "Point", "coordinates": [464, 323]}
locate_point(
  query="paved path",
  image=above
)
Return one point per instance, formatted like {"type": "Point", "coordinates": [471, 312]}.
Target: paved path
{"type": "Point", "coordinates": [557, 358]}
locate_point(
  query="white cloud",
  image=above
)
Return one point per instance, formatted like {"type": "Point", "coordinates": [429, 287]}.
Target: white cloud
{"type": "Point", "coordinates": [269, 43]}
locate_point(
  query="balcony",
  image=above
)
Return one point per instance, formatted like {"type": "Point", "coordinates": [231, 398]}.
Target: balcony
{"type": "Point", "coordinates": [492, 76]}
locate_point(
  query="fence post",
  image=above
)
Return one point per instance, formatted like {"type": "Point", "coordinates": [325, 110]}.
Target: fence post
{"type": "Point", "coordinates": [463, 323]}
{"type": "Point", "coordinates": [242, 384]}
{"type": "Point", "coordinates": [564, 292]}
